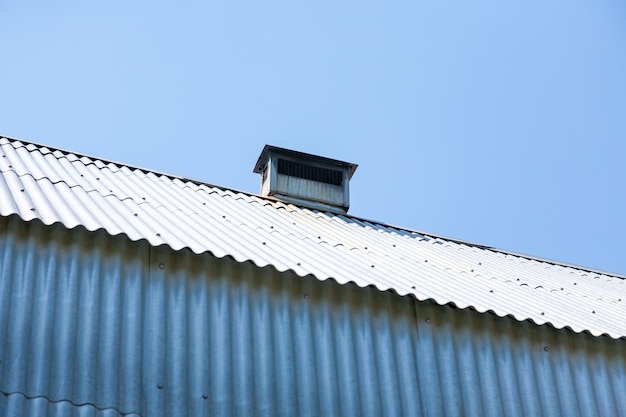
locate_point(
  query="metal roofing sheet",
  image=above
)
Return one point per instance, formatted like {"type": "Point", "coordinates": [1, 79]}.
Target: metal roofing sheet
{"type": "Point", "coordinates": [55, 186]}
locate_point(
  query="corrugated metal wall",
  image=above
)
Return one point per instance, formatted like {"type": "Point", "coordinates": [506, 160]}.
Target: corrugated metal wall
{"type": "Point", "coordinates": [93, 325]}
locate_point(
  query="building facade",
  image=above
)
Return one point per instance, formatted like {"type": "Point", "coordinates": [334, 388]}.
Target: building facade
{"type": "Point", "coordinates": [99, 323]}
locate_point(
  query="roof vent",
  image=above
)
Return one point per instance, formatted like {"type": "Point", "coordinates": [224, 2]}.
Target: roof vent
{"type": "Point", "coordinates": [306, 180]}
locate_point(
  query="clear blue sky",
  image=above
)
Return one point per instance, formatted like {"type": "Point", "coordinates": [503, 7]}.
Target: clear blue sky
{"type": "Point", "coordinates": [498, 122]}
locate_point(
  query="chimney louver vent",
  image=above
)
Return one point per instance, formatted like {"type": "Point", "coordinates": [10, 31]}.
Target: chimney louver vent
{"type": "Point", "coordinates": [308, 172]}
{"type": "Point", "coordinates": [307, 180]}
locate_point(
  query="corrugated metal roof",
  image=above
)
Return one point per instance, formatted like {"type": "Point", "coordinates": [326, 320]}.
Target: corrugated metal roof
{"type": "Point", "coordinates": [56, 186]}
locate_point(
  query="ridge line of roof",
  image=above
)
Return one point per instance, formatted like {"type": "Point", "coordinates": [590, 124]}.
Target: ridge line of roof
{"type": "Point", "coordinates": [380, 223]}
{"type": "Point", "coordinates": [127, 165]}
{"type": "Point", "coordinates": [504, 251]}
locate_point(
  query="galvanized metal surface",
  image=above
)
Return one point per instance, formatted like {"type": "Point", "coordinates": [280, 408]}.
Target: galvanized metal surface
{"type": "Point", "coordinates": [305, 179]}
{"type": "Point", "coordinates": [60, 187]}
{"type": "Point", "coordinates": [94, 325]}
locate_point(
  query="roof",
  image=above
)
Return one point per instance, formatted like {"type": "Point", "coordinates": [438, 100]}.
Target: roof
{"type": "Point", "coordinates": [56, 186]}
{"type": "Point", "coordinates": [265, 155]}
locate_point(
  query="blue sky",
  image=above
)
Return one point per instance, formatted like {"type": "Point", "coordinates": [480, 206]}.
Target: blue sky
{"type": "Point", "coordinates": [497, 122]}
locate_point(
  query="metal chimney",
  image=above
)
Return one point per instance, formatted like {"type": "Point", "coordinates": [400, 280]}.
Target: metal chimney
{"type": "Point", "coordinates": [303, 179]}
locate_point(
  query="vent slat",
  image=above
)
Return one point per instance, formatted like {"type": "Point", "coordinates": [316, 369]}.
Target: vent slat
{"type": "Point", "coordinates": [308, 172]}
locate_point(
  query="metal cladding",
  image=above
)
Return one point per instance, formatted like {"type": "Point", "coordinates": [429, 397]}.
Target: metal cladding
{"type": "Point", "coordinates": [55, 186]}
{"type": "Point", "coordinates": [95, 325]}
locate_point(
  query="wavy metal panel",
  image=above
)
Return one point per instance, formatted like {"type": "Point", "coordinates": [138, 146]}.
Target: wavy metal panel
{"type": "Point", "coordinates": [94, 325]}
{"type": "Point", "coordinates": [59, 187]}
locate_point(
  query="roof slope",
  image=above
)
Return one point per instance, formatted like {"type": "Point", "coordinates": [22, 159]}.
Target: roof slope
{"type": "Point", "coordinates": [38, 182]}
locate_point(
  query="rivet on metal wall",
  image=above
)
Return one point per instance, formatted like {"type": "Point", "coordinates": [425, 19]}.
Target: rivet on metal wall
{"type": "Point", "coordinates": [306, 295]}
{"type": "Point", "coordinates": [161, 266]}
{"type": "Point", "coordinates": [159, 386]}
{"type": "Point", "coordinates": [427, 320]}
{"type": "Point", "coordinates": [204, 396]}
{"type": "Point", "coordinates": [546, 348]}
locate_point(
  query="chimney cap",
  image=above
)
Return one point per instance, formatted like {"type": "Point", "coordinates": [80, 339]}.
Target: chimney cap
{"type": "Point", "coordinates": [306, 180]}
{"type": "Point", "coordinates": [268, 149]}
